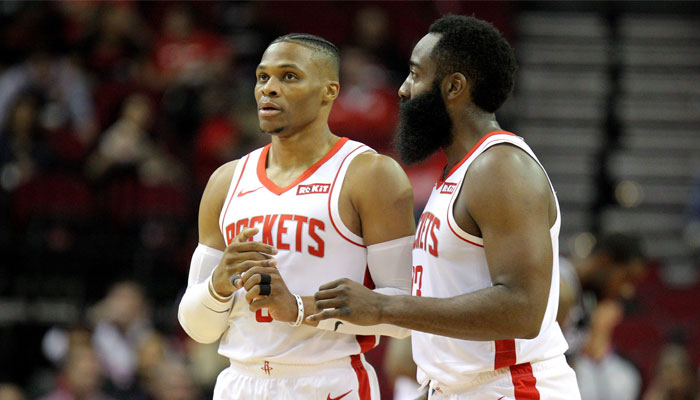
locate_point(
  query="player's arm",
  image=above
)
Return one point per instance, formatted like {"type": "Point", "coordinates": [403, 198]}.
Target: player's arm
{"type": "Point", "coordinates": [205, 306]}
{"type": "Point", "coordinates": [381, 199]}
{"type": "Point", "coordinates": [508, 196]}
{"type": "Point", "coordinates": [376, 202]}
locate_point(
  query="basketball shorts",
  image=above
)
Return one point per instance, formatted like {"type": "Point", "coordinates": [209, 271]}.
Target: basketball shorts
{"type": "Point", "coordinates": [349, 378]}
{"type": "Point", "coordinates": [551, 379]}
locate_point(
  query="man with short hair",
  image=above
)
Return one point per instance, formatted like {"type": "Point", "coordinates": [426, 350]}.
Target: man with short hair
{"type": "Point", "coordinates": [273, 226]}
{"type": "Point", "coordinates": [485, 254]}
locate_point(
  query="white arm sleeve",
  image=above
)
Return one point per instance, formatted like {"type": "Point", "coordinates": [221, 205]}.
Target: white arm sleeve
{"type": "Point", "coordinates": [390, 267]}
{"type": "Point", "coordinates": [203, 317]}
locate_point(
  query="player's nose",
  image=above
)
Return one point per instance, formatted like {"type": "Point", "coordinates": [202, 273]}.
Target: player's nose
{"type": "Point", "coordinates": [270, 88]}
{"type": "Point", "coordinates": [404, 92]}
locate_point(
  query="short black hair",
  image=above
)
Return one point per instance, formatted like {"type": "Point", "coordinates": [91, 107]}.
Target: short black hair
{"type": "Point", "coordinates": [622, 248]}
{"type": "Point", "coordinates": [315, 43]}
{"type": "Point", "coordinates": [479, 51]}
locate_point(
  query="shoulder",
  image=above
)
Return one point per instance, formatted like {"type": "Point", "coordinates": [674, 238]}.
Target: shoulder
{"type": "Point", "coordinates": [507, 164]}
{"type": "Point", "coordinates": [376, 176]}
{"type": "Point", "coordinates": [375, 166]}
{"type": "Point", "coordinates": [505, 181]}
{"type": "Point", "coordinates": [219, 183]}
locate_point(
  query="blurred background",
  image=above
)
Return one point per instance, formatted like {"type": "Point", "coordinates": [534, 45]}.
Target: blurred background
{"type": "Point", "coordinates": [114, 114]}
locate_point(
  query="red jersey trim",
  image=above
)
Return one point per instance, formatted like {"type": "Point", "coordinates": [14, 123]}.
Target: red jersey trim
{"type": "Point", "coordinates": [330, 197]}
{"type": "Point", "coordinates": [473, 149]}
{"type": "Point", "coordinates": [363, 386]}
{"type": "Point", "coordinates": [524, 382]}
{"type": "Point", "coordinates": [233, 192]}
{"type": "Point", "coordinates": [505, 353]}
{"type": "Point", "coordinates": [271, 186]}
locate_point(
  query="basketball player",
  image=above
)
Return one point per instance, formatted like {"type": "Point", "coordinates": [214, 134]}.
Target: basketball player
{"type": "Point", "coordinates": [276, 224]}
{"type": "Point", "coordinates": [485, 271]}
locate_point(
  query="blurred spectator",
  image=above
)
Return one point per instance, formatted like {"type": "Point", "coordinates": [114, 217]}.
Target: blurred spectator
{"type": "Point", "coordinates": [183, 60]}
{"type": "Point", "coordinates": [172, 381]}
{"type": "Point", "coordinates": [116, 42]}
{"type": "Point", "coordinates": [367, 107]}
{"type": "Point", "coordinates": [122, 325]}
{"type": "Point", "coordinates": [62, 86]}
{"type": "Point", "coordinates": [9, 391]}
{"type": "Point", "coordinates": [218, 136]}
{"type": "Point", "coordinates": [675, 377]}
{"type": "Point", "coordinates": [590, 313]}
{"type": "Point", "coordinates": [57, 342]}
{"type": "Point", "coordinates": [372, 33]}
{"type": "Point", "coordinates": [184, 53]}
{"type": "Point", "coordinates": [79, 378]}
{"type": "Point", "coordinates": [401, 370]}
{"type": "Point", "coordinates": [128, 145]}
{"type": "Point", "coordinates": [23, 152]}
{"type": "Point", "coordinates": [206, 363]}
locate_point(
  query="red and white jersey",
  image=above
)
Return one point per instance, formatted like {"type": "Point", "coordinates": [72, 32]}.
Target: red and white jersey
{"type": "Point", "coordinates": [301, 220]}
{"type": "Point", "coordinates": [448, 262]}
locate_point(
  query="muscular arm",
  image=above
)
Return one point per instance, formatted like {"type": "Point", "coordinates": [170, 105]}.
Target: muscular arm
{"type": "Point", "coordinates": [382, 203]}
{"type": "Point", "coordinates": [381, 199]}
{"type": "Point", "coordinates": [508, 197]}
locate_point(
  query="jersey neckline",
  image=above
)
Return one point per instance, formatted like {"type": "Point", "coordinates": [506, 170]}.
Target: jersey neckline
{"type": "Point", "coordinates": [473, 149]}
{"type": "Point", "coordinates": [271, 186]}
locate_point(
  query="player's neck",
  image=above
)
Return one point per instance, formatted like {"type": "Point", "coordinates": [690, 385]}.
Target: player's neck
{"type": "Point", "coordinates": [467, 132]}
{"type": "Point", "coordinates": [300, 150]}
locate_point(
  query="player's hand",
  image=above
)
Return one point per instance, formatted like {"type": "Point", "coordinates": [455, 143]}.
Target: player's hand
{"type": "Point", "coordinates": [274, 295]}
{"type": "Point", "coordinates": [348, 300]}
{"type": "Point", "coordinates": [240, 256]}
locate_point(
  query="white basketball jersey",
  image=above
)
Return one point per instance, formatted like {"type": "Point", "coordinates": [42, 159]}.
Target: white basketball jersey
{"type": "Point", "coordinates": [315, 247]}
{"type": "Point", "coordinates": [448, 262]}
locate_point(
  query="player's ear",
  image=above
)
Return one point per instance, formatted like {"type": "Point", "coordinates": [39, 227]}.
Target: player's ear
{"type": "Point", "coordinates": [455, 85]}
{"type": "Point", "coordinates": [331, 91]}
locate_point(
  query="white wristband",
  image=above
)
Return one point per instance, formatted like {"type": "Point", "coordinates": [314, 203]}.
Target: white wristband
{"type": "Point", "coordinates": [217, 296]}
{"type": "Point", "coordinates": [300, 313]}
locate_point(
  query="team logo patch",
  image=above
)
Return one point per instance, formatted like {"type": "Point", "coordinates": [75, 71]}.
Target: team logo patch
{"type": "Point", "coordinates": [314, 188]}
{"type": "Point", "coordinates": [448, 188]}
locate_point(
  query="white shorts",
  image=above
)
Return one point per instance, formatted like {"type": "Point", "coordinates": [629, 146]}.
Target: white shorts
{"type": "Point", "coordinates": [349, 378]}
{"type": "Point", "coordinates": [551, 379]}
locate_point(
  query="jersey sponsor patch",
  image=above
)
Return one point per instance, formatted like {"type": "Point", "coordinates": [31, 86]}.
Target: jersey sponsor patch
{"type": "Point", "coordinates": [314, 188]}
{"type": "Point", "coordinates": [448, 188]}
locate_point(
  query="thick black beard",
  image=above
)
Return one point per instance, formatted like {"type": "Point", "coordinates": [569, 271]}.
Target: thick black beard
{"type": "Point", "coordinates": [424, 126]}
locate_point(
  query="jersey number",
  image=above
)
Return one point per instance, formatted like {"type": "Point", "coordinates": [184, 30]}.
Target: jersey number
{"type": "Point", "coordinates": [417, 280]}
{"type": "Point", "coordinates": [263, 317]}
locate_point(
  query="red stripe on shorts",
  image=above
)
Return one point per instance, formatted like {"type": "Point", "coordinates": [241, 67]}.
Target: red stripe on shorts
{"type": "Point", "coordinates": [505, 354]}
{"type": "Point", "coordinates": [362, 377]}
{"type": "Point", "coordinates": [524, 382]}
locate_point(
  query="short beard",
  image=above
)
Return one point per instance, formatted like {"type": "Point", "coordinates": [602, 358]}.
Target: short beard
{"type": "Point", "coordinates": [424, 126]}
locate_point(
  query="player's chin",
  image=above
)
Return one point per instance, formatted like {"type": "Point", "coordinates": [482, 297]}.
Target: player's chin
{"type": "Point", "coordinates": [271, 128]}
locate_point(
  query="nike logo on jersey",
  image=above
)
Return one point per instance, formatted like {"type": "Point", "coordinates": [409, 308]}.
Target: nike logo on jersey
{"type": "Point", "coordinates": [500, 398]}
{"type": "Point", "coordinates": [314, 188]}
{"type": "Point", "coordinates": [242, 193]}
{"type": "Point", "coordinates": [339, 397]}
{"type": "Point", "coordinates": [337, 324]}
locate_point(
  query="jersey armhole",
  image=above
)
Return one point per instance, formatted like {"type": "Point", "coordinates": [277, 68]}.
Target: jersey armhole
{"type": "Point", "coordinates": [334, 197]}
{"type": "Point", "coordinates": [452, 223]}
{"type": "Point", "coordinates": [233, 185]}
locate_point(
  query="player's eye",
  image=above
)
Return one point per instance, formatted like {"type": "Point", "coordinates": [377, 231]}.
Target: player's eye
{"type": "Point", "coordinates": [262, 77]}
{"type": "Point", "coordinates": [289, 76]}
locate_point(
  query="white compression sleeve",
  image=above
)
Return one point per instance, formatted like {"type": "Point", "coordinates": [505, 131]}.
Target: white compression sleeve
{"type": "Point", "coordinates": [390, 267]}
{"type": "Point", "coordinates": [203, 317]}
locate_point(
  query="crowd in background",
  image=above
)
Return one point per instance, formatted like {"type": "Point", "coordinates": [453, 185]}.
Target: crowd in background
{"type": "Point", "coordinates": [112, 117]}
